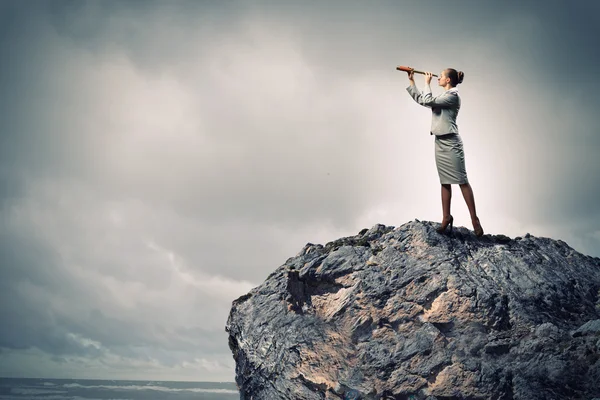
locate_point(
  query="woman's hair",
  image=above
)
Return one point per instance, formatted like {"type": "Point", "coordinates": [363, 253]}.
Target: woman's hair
{"type": "Point", "coordinates": [456, 77]}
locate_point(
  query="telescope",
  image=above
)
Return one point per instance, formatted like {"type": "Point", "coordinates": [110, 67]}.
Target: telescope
{"type": "Point", "coordinates": [409, 69]}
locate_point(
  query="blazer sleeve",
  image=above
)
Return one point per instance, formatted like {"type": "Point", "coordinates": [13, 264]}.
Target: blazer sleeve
{"type": "Point", "coordinates": [426, 99]}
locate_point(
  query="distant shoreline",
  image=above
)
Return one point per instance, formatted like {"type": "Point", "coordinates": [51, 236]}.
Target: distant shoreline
{"type": "Point", "coordinates": [113, 380]}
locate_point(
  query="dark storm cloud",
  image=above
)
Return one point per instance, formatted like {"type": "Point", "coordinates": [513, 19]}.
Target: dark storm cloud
{"type": "Point", "coordinates": [34, 296]}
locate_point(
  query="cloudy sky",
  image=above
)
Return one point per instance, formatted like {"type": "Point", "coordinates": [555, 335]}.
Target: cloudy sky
{"type": "Point", "coordinates": [158, 159]}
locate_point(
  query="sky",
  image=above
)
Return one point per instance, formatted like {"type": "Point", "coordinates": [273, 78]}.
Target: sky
{"type": "Point", "coordinates": [159, 159]}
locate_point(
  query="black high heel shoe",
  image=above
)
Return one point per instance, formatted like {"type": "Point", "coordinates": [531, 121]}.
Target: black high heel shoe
{"type": "Point", "coordinates": [445, 224]}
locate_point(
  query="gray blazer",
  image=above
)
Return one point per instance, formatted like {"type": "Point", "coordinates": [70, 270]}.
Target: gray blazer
{"type": "Point", "coordinates": [444, 108]}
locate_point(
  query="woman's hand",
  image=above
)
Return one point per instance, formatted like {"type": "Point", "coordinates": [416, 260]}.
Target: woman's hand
{"type": "Point", "coordinates": [428, 77]}
{"type": "Point", "coordinates": [411, 76]}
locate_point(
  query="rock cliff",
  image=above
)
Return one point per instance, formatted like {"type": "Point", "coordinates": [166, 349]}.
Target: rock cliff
{"type": "Point", "coordinates": [407, 313]}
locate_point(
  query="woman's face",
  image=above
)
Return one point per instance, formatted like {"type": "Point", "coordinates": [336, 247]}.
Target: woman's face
{"type": "Point", "coordinates": [442, 79]}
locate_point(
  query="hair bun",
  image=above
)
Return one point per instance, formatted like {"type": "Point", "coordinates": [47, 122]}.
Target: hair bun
{"type": "Point", "coordinates": [461, 76]}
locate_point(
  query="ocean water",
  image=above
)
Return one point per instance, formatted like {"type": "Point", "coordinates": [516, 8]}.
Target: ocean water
{"type": "Point", "coordinates": [83, 389]}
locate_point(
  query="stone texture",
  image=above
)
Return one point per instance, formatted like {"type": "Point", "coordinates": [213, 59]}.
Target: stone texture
{"type": "Point", "coordinates": [407, 313]}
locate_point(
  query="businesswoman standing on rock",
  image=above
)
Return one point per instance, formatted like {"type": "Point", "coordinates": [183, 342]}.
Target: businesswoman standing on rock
{"type": "Point", "coordinates": [449, 154]}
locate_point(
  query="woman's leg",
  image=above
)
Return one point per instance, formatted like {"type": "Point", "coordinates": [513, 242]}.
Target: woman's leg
{"type": "Point", "coordinates": [467, 192]}
{"type": "Point", "coordinates": [447, 219]}
{"type": "Point", "coordinates": [446, 197]}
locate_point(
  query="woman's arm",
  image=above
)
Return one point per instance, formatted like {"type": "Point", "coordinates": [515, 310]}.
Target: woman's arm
{"type": "Point", "coordinates": [444, 100]}
{"type": "Point", "coordinates": [412, 89]}
{"type": "Point", "coordinates": [426, 99]}
{"type": "Point", "coordinates": [416, 95]}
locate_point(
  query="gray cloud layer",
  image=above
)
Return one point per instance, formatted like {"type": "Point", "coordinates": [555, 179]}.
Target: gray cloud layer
{"type": "Point", "coordinates": [158, 159]}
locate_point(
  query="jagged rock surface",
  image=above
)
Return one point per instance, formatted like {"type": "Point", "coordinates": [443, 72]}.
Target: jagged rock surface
{"type": "Point", "coordinates": [407, 313]}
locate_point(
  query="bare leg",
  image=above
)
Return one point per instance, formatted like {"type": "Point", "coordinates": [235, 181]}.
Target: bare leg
{"type": "Point", "coordinates": [447, 219]}
{"type": "Point", "coordinates": [446, 197]}
{"type": "Point", "coordinates": [467, 192]}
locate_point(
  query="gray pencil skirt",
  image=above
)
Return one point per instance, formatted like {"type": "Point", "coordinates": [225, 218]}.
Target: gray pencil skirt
{"type": "Point", "coordinates": [450, 159]}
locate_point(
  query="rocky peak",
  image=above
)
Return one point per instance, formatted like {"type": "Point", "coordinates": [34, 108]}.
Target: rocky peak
{"type": "Point", "coordinates": [407, 313]}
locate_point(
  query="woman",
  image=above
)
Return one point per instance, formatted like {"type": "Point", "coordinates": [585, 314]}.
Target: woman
{"type": "Point", "coordinates": [449, 155]}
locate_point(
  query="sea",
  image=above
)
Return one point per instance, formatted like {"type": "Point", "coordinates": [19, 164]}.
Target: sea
{"type": "Point", "coordinates": [83, 389]}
